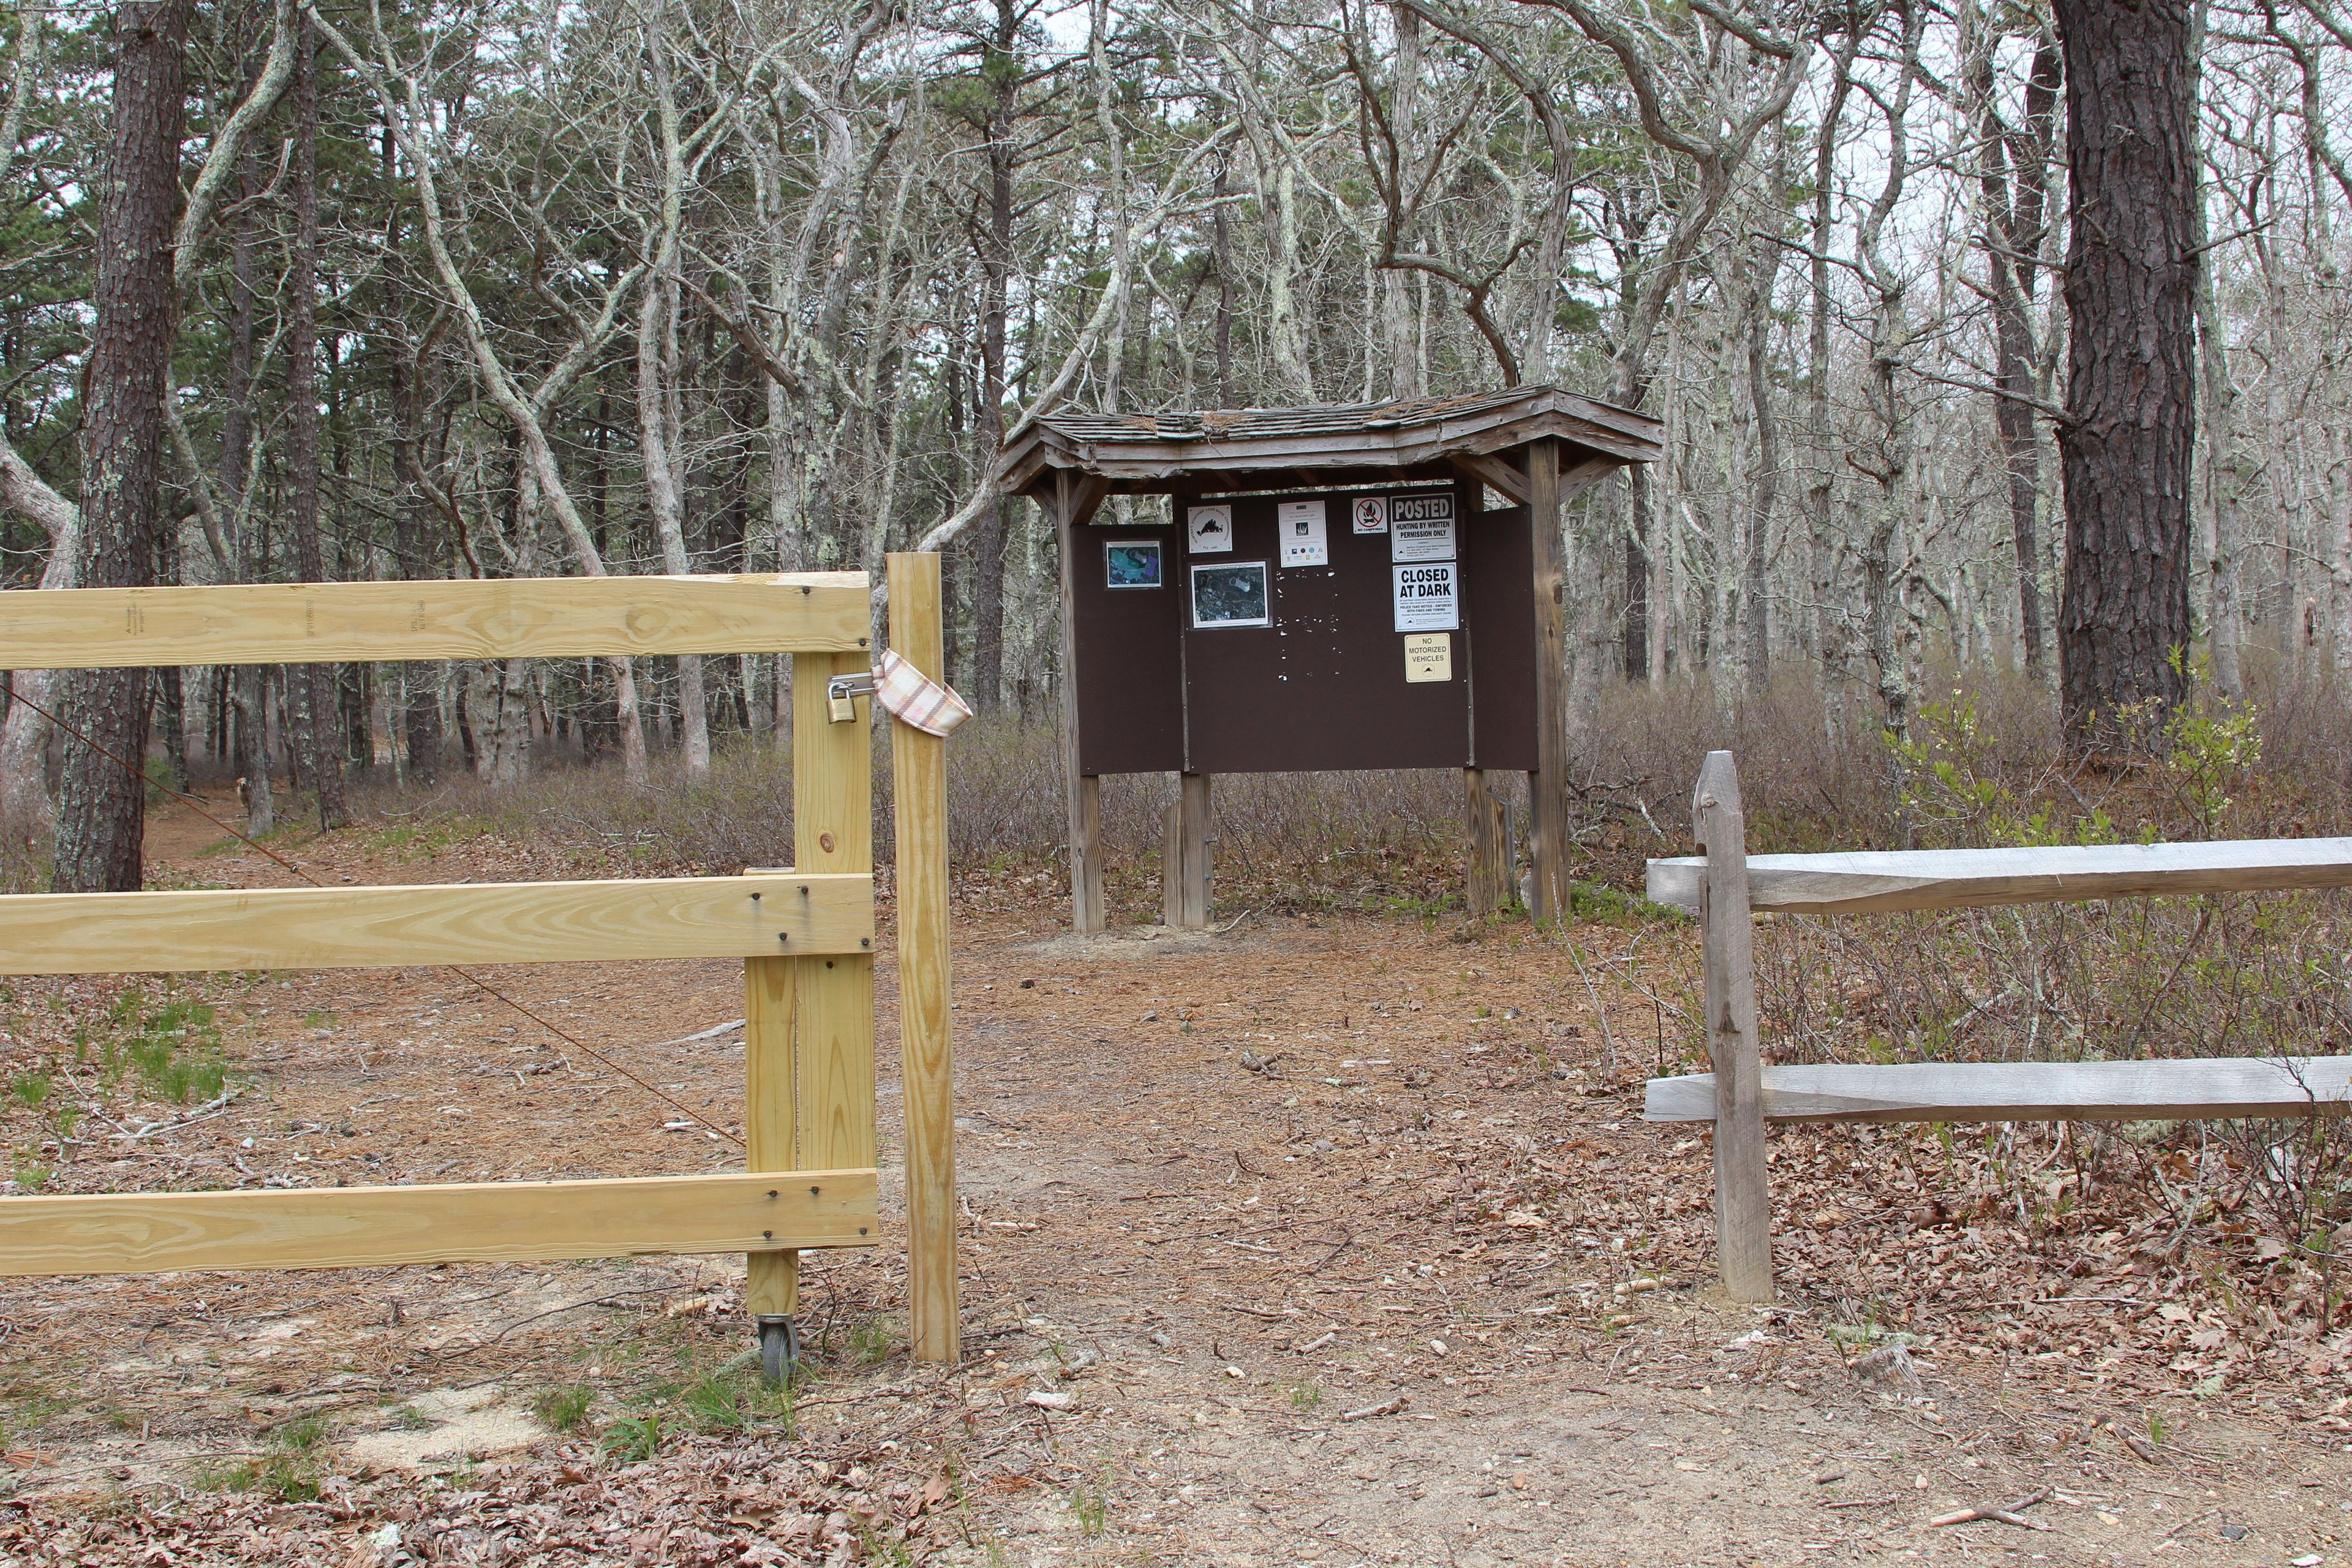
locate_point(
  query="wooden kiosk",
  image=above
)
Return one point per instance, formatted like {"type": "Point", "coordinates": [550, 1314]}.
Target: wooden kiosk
{"type": "Point", "coordinates": [1329, 592]}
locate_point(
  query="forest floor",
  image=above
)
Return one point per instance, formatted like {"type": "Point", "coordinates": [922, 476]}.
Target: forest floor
{"type": "Point", "coordinates": [1326, 1240]}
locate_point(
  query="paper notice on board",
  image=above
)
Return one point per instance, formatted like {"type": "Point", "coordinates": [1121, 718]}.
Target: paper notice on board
{"type": "Point", "coordinates": [1370, 514]}
{"type": "Point", "coordinates": [1208, 530]}
{"type": "Point", "coordinates": [1420, 527]}
{"type": "Point", "coordinates": [1304, 540]}
{"type": "Point", "coordinates": [1428, 656]}
{"type": "Point", "coordinates": [1428, 598]}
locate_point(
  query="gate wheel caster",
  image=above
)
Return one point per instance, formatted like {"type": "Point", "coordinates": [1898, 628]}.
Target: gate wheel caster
{"type": "Point", "coordinates": [780, 1349]}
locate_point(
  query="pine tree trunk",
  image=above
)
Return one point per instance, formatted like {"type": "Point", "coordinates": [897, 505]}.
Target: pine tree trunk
{"type": "Point", "coordinates": [2130, 432]}
{"type": "Point", "coordinates": [313, 687]}
{"type": "Point", "coordinates": [101, 806]}
{"type": "Point", "coordinates": [414, 554]}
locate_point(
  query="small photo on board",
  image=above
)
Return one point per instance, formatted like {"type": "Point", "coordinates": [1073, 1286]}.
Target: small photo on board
{"type": "Point", "coordinates": [1230, 594]}
{"type": "Point", "coordinates": [1131, 563]}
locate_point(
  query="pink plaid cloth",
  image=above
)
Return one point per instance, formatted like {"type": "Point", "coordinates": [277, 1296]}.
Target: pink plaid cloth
{"type": "Point", "coordinates": [906, 693]}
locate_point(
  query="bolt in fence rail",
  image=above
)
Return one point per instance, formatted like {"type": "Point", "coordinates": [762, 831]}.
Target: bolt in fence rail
{"type": "Point", "coordinates": [807, 936]}
{"type": "Point", "coordinates": [1725, 884]}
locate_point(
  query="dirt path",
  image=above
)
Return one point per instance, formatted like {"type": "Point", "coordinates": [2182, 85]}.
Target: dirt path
{"type": "Point", "coordinates": [1326, 1242]}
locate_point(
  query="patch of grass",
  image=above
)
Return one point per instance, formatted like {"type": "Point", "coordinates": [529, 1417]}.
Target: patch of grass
{"type": "Point", "coordinates": [30, 1414]}
{"type": "Point", "coordinates": [870, 1340]}
{"type": "Point", "coordinates": [237, 1476]}
{"type": "Point", "coordinates": [878, 1549]}
{"type": "Point", "coordinates": [25, 1168]}
{"type": "Point", "coordinates": [423, 838]}
{"type": "Point", "coordinates": [1428, 909]}
{"type": "Point", "coordinates": [288, 1470]}
{"type": "Point", "coordinates": [301, 1437]}
{"type": "Point", "coordinates": [408, 1419]}
{"type": "Point", "coordinates": [31, 1087]}
{"type": "Point", "coordinates": [1605, 905]}
{"type": "Point", "coordinates": [564, 1407]}
{"type": "Point", "coordinates": [1090, 1505]}
{"type": "Point", "coordinates": [635, 1438]}
{"type": "Point", "coordinates": [670, 1377]}
{"type": "Point", "coordinates": [173, 1047]}
{"type": "Point", "coordinates": [289, 1477]}
{"type": "Point", "coordinates": [1305, 1396]}
{"type": "Point", "coordinates": [316, 1020]}
{"type": "Point", "coordinates": [731, 1397]}
{"type": "Point", "coordinates": [715, 1403]}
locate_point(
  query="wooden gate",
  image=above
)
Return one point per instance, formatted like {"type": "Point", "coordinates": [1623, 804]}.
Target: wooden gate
{"type": "Point", "coordinates": [806, 934]}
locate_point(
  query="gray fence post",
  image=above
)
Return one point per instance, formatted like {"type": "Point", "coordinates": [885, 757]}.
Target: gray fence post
{"type": "Point", "coordinates": [1743, 1203]}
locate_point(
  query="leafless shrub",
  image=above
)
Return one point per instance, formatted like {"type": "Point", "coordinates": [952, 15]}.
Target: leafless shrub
{"type": "Point", "coordinates": [1286, 840]}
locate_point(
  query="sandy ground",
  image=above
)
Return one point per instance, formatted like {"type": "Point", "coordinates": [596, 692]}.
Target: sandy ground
{"type": "Point", "coordinates": [1314, 1241]}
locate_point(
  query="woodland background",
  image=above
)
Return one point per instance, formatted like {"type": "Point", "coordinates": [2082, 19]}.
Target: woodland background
{"type": "Point", "coordinates": [487, 288]}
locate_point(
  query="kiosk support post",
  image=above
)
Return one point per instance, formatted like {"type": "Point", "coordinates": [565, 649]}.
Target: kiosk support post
{"type": "Point", "coordinates": [1549, 489]}
{"type": "Point", "coordinates": [1548, 783]}
{"type": "Point", "coordinates": [1072, 501]}
{"type": "Point", "coordinates": [1184, 857]}
{"type": "Point", "coordinates": [1490, 845]}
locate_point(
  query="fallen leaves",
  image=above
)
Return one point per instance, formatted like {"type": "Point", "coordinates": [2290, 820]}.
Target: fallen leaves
{"type": "Point", "coordinates": [706, 1504]}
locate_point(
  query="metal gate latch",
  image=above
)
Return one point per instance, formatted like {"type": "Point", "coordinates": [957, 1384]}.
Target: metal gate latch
{"type": "Point", "coordinates": [840, 690]}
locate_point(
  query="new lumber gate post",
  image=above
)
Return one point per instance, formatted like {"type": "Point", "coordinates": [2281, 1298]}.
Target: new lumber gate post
{"type": "Point", "coordinates": [806, 934]}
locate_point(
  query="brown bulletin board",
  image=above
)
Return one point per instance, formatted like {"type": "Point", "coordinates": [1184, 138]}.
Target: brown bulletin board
{"type": "Point", "coordinates": [1130, 658]}
{"type": "Point", "coordinates": [1323, 687]}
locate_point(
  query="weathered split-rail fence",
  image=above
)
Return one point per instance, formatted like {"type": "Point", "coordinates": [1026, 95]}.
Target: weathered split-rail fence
{"type": "Point", "coordinates": [1724, 885]}
{"type": "Point", "coordinates": [806, 934]}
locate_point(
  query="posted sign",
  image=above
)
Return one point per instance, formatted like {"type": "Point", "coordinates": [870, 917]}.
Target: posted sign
{"type": "Point", "coordinates": [1428, 596]}
{"type": "Point", "coordinates": [1420, 527]}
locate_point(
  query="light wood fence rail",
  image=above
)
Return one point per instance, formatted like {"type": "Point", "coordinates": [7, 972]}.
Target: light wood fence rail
{"type": "Point", "coordinates": [806, 935]}
{"type": "Point", "coordinates": [1723, 888]}
{"type": "Point", "coordinates": [509, 617]}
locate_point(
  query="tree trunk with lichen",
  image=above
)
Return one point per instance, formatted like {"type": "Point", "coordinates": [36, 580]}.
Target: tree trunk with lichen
{"type": "Point", "coordinates": [101, 799]}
